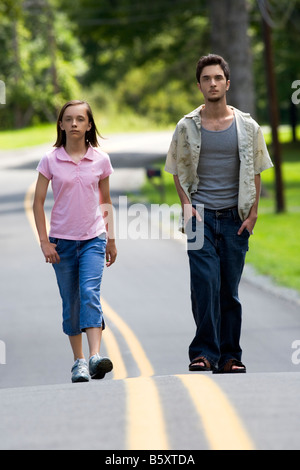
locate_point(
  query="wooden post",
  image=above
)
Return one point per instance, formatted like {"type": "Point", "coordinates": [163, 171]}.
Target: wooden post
{"type": "Point", "coordinates": [274, 116]}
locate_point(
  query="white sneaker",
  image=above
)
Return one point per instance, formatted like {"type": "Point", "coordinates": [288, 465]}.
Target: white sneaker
{"type": "Point", "coordinates": [80, 371]}
{"type": "Point", "coordinates": [99, 366]}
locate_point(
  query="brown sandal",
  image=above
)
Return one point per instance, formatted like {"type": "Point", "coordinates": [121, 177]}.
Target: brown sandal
{"type": "Point", "coordinates": [228, 368]}
{"type": "Point", "coordinates": [195, 364]}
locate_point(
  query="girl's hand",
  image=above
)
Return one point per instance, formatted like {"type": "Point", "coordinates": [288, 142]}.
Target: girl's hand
{"type": "Point", "coordinates": [111, 252]}
{"type": "Point", "coordinates": [50, 253]}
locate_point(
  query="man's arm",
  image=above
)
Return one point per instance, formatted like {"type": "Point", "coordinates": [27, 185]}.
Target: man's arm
{"type": "Point", "coordinates": [250, 222]}
{"type": "Point", "coordinates": [182, 196]}
{"type": "Point", "coordinates": [187, 208]}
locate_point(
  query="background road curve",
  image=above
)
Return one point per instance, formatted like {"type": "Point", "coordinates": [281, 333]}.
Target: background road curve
{"type": "Point", "coordinates": [150, 401]}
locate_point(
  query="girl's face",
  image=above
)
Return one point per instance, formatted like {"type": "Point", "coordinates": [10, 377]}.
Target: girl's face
{"type": "Point", "coordinates": [75, 122]}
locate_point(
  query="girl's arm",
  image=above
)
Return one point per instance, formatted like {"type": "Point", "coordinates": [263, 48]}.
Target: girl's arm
{"type": "Point", "coordinates": [107, 211]}
{"type": "Point", "coordinates": [48, 249]}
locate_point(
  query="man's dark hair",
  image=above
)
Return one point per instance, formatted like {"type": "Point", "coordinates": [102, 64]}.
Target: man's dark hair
{"type": "Point", "coordinates": [212, 59]}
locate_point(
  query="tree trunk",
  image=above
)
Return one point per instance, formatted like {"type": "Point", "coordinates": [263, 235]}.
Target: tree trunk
{"type": "Point", "coordinates": [18, 122]}
{"type": "Point", "coordinates": [229, 38]}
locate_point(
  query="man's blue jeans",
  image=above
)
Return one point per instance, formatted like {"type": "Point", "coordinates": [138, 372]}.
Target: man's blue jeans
{"type": "Point", "coordinates": [79, 276]}
{"type": "Point", "coordinates": [215, 272]}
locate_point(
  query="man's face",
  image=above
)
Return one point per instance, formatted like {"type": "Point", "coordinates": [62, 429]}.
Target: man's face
{"type": "Point", "coordinates": [213, 83]}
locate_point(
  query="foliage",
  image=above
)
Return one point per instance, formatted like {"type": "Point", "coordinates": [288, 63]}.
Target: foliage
{"type": "Point", "coordinates": [139, 48]}
{"type": "Point", "coordinates": [40, 60]}
{"type": "Point", "coordinates": [284, 20]}
{"type": "Point", "coordinates": [141, 54]}
{"type": "Point", "coordinates": [274, 247]}
{"type": "Point", "coordinates": [27, 137]}
{"type": "Point", "coordinates": [146, 53]}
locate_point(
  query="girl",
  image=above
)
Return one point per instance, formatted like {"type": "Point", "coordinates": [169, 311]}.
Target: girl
{"type": "Point", "coordinates": [81, 233]}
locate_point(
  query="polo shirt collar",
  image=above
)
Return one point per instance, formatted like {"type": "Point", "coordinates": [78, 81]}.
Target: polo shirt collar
{"type": "Point", "coordinates": [63, 155]}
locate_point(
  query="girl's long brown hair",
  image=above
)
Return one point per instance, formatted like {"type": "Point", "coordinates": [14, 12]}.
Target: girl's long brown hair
{"type": "Point", "coordinates": [91, 135]}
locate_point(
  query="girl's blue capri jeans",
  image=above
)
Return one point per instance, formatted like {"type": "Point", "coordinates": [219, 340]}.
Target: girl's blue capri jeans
{"type": "Point", "coordinates": [79, 275]}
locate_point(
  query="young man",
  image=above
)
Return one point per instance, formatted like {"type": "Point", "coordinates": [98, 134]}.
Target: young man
{"type": "Point", "coordinates": [216, 156]}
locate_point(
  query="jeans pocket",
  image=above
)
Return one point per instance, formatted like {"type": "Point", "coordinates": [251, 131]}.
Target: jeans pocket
{"type": "Point", "coordinates": [246, 233]}
{"type": "Point", "coordinates": [55, 241]}
{"type": "Point", "coordinates": [102, 236]}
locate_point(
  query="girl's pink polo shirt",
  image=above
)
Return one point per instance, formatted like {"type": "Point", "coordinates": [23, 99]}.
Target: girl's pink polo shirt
{"type": "Point", "coordinates": [76, 213]}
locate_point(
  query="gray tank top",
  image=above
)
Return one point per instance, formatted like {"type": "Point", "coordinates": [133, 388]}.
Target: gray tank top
{"type": "Point", "coordinates": [218, 169]}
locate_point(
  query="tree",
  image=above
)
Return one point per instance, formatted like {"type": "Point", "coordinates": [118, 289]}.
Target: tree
{"type": "Point", "coordinates": [273, 105]}
{"type": "Point", "coordinates": [41, 61]}
{"type": "Point", "coordinates": [144, 52]}
{"type": "Point", "coordinates": [230, 39]}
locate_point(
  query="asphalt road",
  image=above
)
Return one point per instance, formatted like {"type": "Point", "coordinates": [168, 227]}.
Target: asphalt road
{"type": "Point", "coordinates": [150, 401]}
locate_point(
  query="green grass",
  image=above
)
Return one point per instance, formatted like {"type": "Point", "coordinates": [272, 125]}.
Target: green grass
{"type": "Point", "coordinates": [275, 245]}
{"type": "Point", "coordinates": [27, 137]}
{"type": "Point", "coordinates": [126, 121]}
{"type": "Point", "coordinates": [107, 123]}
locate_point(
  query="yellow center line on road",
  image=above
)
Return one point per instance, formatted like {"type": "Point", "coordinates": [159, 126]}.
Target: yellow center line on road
{"type": "Point", "coordinates": [223, 428]}
{"type": "Point", "coordinates": [134, 345]}
{"type": "Point", "coordinates": [145, 420]}
{"type": "Point", "coordinates": [114, 353]}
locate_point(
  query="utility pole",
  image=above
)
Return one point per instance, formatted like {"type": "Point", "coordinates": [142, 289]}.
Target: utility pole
{"type": "Point", "coordinates": [273, 108]}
